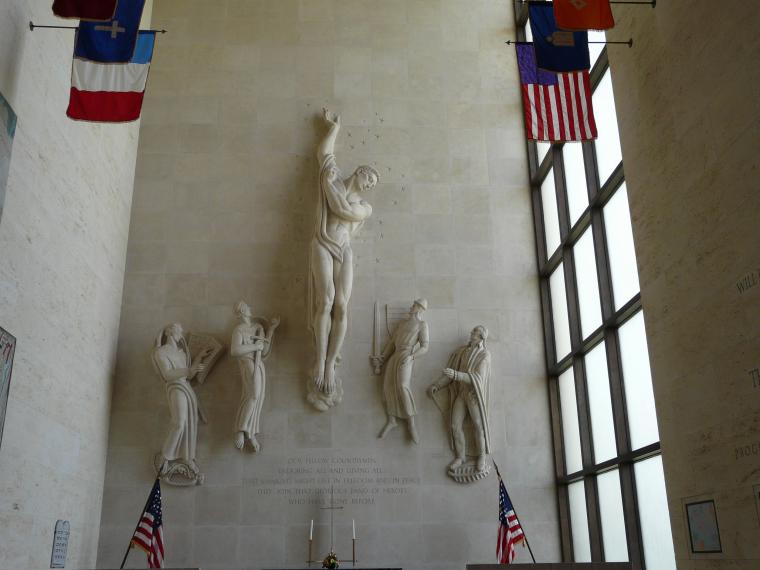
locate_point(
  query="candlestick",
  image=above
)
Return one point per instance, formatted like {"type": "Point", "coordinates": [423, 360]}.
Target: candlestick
{"type": "Point", "coordinates": [309, 561]}
{"type": "Point", "coordinates": [353, 551]}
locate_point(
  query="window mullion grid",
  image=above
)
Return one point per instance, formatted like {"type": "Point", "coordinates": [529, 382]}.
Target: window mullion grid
{"type": "Point", "coordinates": [594, 519]}
{"type": "Point", "coordinates": [578, 363]}
{"type": "Point", "coordinates": [535, 177]}
{"type": "Point", "coordinates": [521, 17]}
{"type": "Point", "coordinates": [631, 516]}
{"type": "Point", "coordinates": [598, 196]}
{"type": "Point", "coordinates": [566, 530]}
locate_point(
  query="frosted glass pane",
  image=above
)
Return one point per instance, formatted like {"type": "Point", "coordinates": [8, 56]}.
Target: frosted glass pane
{"type": "Point", "coordinates": [559, 311]}
{"type": "Point", "coordinates": [653, 509]}
{"type": "Point", "coordinates": [542, 148]}
{"type": "Point", "coordinates": [551, 218]}
{"type": "Point", "coordinates": [637, 380]}
{"type": "Point", "coordinates": [600, 404]}
{"type": "Point", "coordinates": [617, 222]}
{"type": "Point", "coordinates": [588, 285]}
{"type": "Point", "coordinates": [595, 50]}
{"type": "Point", "coordinates": [571, 434]}
{"type": "Point", "coordinates": [613, 520]}
{"type": "Point", "coordinates": [579, 522]}
{"type": "Point", "coordinates": [575, 177]}
{"type": "Point", "coordinates": [608, 154]}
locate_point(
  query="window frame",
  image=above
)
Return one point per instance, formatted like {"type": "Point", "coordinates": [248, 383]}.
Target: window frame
{"type": "Point", "coordinates": [599, 193]}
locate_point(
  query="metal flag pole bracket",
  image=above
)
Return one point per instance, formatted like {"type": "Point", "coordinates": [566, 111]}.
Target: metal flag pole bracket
{"type": "Point", "coordinates": [33, 26]}
{"type": "Point", "coordinates": [629, 43]}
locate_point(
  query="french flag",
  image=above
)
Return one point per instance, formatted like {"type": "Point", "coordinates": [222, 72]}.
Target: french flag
{"type": "Point", "coordinates": [111, 92]}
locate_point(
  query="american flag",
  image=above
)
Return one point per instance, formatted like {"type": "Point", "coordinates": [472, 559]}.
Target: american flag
{"type": "Point", "coordinates": [558, 106]}
{"type": "Point", "coordinates": [510, 531]}
{"type": "Point", "coordinates": [149, 535]}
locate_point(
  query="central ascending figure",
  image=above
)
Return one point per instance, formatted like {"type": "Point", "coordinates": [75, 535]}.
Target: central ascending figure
{"type": "Point", "coordinates": [341, 211]}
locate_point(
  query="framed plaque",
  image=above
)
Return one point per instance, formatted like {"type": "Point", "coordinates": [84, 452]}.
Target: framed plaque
{"type": "Point", "coordinates": [704, 534]}
{"type": "Point", "coordinates": [60, 544]}
{"type": "Point", "coordinates": [7, 350]}
{"type": "Point", "coordinates": [7, 132]}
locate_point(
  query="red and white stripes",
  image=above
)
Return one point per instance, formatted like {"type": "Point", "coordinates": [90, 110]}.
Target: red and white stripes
{"type": "Point", "coordinates": [561, 112]}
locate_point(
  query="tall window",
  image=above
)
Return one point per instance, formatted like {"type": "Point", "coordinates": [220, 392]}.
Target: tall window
{"type": "Point", "coordinates": [607, 447]}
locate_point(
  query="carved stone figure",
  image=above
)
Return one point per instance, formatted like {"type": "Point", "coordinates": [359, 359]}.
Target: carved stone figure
{"type": "Point", "coordinates": [467, 376]}
{"type": "Point", "coordinates": [341, 211]}
{"type": "Point", "coordinates": [410, 340]}
{"type": "Point", "coordinates": [251, 344]}
{"type": "Point", "coordinates": [178, 363]}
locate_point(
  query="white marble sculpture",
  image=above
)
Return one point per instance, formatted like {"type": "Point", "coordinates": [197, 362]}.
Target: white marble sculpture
{"type": "Point", "coordinates": [467, 377]}
{"type": "Point", "coordinates": [251, 344]}
{"type": "Point", "coordinates": [340, 213]}
{"type": "Point", "coordinates": [410, 340]}
{"type": "Point", "coordinates": [178, 362]}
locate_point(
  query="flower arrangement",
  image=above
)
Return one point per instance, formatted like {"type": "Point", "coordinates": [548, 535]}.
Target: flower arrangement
{"type": "Point", "coordinates": [331, 561]}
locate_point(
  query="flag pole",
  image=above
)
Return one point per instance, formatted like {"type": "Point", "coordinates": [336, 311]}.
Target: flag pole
{"type": "Point", "coordinates": [145, 508]}
{"type": "Point", "coordinates": [33, 26]}
{"type": "Point", "coordinates": [525, 536]}
{"type": "Point", "coordinates": [629, 43]}
{"type": "Point", "coordinates": [652, 3]}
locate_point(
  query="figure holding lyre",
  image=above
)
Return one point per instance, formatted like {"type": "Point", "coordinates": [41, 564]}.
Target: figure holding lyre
{"type": "Point", "coordinates": [251, 344]}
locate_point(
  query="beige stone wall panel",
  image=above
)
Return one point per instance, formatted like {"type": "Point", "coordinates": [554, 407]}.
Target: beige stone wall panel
{"type": "Point", "coordinates": [233, 117]}
{"type": "Point", "coordinates": [63, 245]}
{"type": "Point", "coordinates": [687, 101]}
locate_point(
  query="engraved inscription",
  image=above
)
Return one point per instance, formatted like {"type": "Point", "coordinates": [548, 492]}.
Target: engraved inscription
{"type": "Point", "coordinates": [754, 374]}
{"type": "Point", "coordinates": [749, 450]}
{"type": "Point", "coordinates": [748, 281]}
{"type": "Point", "coordinates": [60, 544]}
{"type": "Point", "coordinates": [354, 480]}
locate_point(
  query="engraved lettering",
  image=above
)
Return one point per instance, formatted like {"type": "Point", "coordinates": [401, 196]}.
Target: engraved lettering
{"type": "Point", "coordinates": [748, 281]}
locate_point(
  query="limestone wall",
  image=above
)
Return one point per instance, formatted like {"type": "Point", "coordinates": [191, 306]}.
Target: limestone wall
{"type": "Point", "coordinates": [688, 108]}
{"type": "Point", "coordinates": [224, 209]}
{"type": "Point", "coordinates": [63, 240]}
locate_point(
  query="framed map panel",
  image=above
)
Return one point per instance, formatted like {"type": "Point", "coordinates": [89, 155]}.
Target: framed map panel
{"type": "Point", "coordinates": [7, 132]}
{"type": "Point", "coordinates": [703, 527]}
{"type": "Point", "coordinates": [7, 351]}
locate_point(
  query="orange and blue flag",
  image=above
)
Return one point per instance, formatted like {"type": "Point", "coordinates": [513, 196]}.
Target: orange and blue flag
{"type": "Point", "coordinates": [583, 14]}
{"type": "Point", "coordinates": [94, 10]}
{"type": "Point", "coordinates": [556, 50]}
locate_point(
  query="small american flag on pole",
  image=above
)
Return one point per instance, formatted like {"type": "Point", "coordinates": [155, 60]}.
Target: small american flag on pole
{"type": "Point", "coordinates": [558, 106]}
{"type": "Point", "coordinates": [149, 534]}
{"type": "Point", "coordinates": [510, 531]}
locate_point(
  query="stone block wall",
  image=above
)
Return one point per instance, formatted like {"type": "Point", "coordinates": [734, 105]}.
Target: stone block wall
{"type": "Point", "coordinates": [224, 208]}
{"type": "Point", "coordinates": [688, 109]}
{"type": "Point", "coordinates": [63, 242]}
